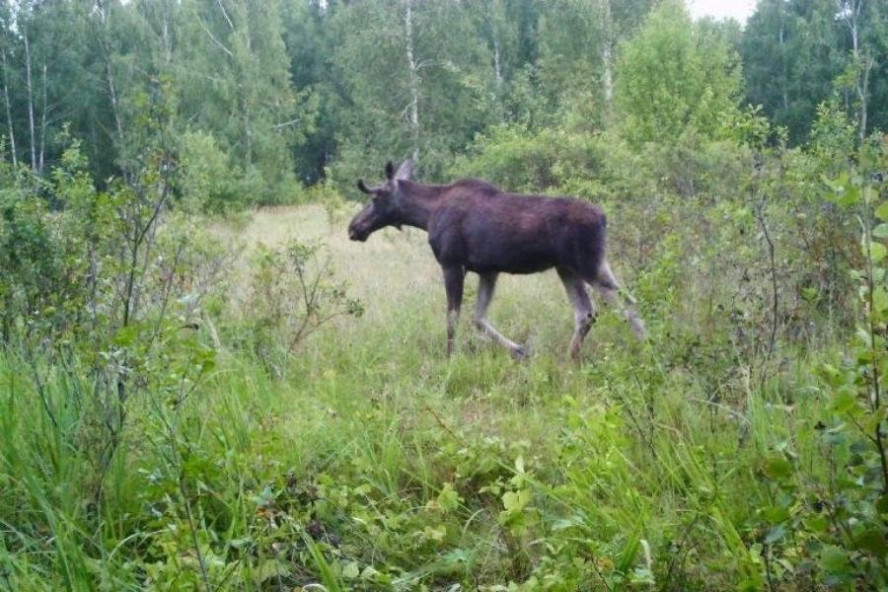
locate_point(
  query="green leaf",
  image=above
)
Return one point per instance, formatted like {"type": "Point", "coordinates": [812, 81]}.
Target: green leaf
{"type": "Point", "coordinates": [775, 534]}
{"type": "Point", "coordinates": [882, 212]}
{"type": "Point", "coordinates": [519, 465]}
{"type": "Point", "coordinates": [872, 541]}
{"type": "Point", "coordinates": [835, 561]}
{"type": "Point", "coordinates": [877, 252]}
{"type": "Point", "coordinates": [882, 504]}
{"type": "Point", "coordinates": [881, 231]}
{"type": "Point", "coordinates": [830, 374]}
{"type": "Point", "coordinates": [880, 298]}
{"type": "Point", "coordinates": [844, 400]}
{"type": "Point", "coordinates": [776, 514]}
{"type": "Point", "coordinates": [369, 573]}
{"type": "Point", "coordinates": [448, 499]}
{"type": "Point", "coordinates": [436, 534]}
{"type": "Point", "coordinates": [817, 524]}
{"type": "Point", "coordinates": [848, 197]}
{"type": "Point", "coordinates": [351, 570]}
{"type": "Point", "coordinates": [126, 336]}
{"type": "Point", "coordinates": [835, 185]}
{"type": "Point", "coordinates": [749, 585]}
{"type": "Point", "coordinates": [777, 467]}
{"type": "Point", "coordinates": [516, 501]}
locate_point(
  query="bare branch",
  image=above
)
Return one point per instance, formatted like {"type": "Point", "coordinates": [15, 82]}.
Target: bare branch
{"type": "Point", "coordinates": [225, 14]}
{"type": "Point", "coordinates": [213, 38]}
{"type": "Point", "coordinates": [278, 126]}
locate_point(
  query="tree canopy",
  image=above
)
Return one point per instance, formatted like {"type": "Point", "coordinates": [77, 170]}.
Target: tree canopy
{"type": "Point", "coordinates": [283, 94]}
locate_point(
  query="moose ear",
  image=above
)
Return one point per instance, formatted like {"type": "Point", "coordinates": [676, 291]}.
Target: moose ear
{"type": "Point", "coordinates": [363, 187]}
{"type": "Point", "coordinates": [389, 170]}
{"type": "Point", "coordinates": [405, 171]}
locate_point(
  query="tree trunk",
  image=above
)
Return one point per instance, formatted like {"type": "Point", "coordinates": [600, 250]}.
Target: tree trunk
{"type": "Point", "coordinates": [167, 39]}
{"type": "Point", "coordinates": [862, 91]}
{"type": "Point", "coordinates": [414, 78]}
{"type": "Point", "coordinates": [497, 63]}
{"type": "Point", "coordinates": [248, 126]}
{"type": "Point", "coordinates": [42, 126]}
{"type": "Point", "coordinates": [29, 87]}
{"type": "Point", "coordinates": [851, 19]}
{"type": "Point", "coordinates": [493, 20]}
{"type": "Point", "coordinates": [112, 93]}
{"type": "Point", "coordinates": [784, 82]}
{"type": "Point", "coordinates": [9, 111]}
{"type": "Point", "coordinates": [104, 17]}
{"type": "Point", "coordinates": [607, 56]}
{"type": "Point", "coordinates": [850, 12]}
{"type": "Point", "coordinates": [248, 131]}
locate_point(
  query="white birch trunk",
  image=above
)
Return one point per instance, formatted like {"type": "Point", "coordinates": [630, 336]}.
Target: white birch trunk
{"type": "Point", "coordinates": [851, 15]}
{"type": "Point", "coordinates": [104, 15]}
{"type": "Point", "coordinates": [42, 125]}
{"type": "Point", "coordinates": [248, 126]}
{"type": "Point", "coordinates": [497, 63]}
{"type": "Point", "coordinates": [30, 90]}
{"type": "Point", "coordinates": [862, 92]}
{"type": "Point", "coordinates": [784, 82]}
{"type": "Point", "coordinates": [9, 111]}
{"type": "Point", "coordinates": [414, 78]}
{"type": "Point", "coordinates": [607, 57]}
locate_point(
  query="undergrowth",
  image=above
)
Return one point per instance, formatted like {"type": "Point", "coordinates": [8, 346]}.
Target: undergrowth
{"type": "Point", "coordinates": [372, 465]}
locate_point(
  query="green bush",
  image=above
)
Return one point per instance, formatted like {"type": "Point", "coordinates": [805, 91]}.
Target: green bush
{"type": "Point", "coordinates": [292, 293]}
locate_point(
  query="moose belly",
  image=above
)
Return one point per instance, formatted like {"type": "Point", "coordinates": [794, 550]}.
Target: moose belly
{"type": "Point", "coordinates": [509, 258]}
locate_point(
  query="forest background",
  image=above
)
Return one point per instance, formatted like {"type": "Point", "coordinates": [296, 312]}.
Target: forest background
{"type": "Point", "coordinates": [205, 386]}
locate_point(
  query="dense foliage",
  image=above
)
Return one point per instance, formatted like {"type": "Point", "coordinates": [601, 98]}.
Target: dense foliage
{"type": "Point", "coordinates": [193, 397]}
{"type": "Point", "coordinates": [275, 95]}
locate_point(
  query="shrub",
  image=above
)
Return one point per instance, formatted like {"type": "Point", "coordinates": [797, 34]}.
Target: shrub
{"type": "Point", "coordinates": [292, 293]}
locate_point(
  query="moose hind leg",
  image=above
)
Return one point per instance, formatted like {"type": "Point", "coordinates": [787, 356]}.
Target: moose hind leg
{"type": "Point", "coordinates": [454, 278]}
{"type": "Point", "coordinates": [486, 286]}
{"type": "Point", "coordinates": [584, 312]}
{"type": "Point", "coordinates": [609, 288]}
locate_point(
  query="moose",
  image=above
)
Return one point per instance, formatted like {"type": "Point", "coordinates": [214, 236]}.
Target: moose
{"type": "Point", "coordinates": [473, 226]}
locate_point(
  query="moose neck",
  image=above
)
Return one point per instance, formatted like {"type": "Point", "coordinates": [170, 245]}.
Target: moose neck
{"type": "Point", "coordinates": [417, 203]}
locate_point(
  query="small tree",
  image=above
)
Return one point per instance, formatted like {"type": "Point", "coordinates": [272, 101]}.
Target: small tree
{"type": "Point", "coordinates": [673, 78]}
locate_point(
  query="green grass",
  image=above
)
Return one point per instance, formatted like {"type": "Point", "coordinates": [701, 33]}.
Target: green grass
{"type": "Point", "coordinates": [373, 462]}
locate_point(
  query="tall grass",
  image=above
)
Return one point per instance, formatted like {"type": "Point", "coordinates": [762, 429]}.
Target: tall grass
{"type": "Point", "coordinates": [373, 462]}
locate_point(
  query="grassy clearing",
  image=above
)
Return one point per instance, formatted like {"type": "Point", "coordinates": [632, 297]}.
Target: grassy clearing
{"type": "Point", "coordinates": [375, 463]}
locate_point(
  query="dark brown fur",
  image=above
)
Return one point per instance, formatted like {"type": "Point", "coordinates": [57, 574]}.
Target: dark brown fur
{"type": "Point", "coordinates": [473, 226]}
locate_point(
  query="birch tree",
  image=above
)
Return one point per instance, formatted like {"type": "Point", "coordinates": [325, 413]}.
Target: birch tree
{"type": "Point", "coordinates": [234, 83]}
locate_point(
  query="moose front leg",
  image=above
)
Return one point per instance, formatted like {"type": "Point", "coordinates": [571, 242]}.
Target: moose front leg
{"type": "Point", "coordinates": [454, 278]}
{"type": "Point", "coordinates": [486, 285]}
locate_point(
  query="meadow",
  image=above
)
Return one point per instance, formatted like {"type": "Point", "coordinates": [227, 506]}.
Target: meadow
{"type": "Point", "coordinates": [368, 460]}
{"type": "Point", "coordinates": [204, 385]}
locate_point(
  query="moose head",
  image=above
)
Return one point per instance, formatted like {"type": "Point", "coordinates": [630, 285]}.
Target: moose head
{"type": "Point", "coordinates": [386, 204]}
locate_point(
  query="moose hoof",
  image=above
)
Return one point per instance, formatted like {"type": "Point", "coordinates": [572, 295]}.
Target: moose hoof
{"type": "Point", "coordinates": [520, 353]}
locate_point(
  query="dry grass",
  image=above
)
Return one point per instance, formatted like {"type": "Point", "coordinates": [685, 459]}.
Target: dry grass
{"type": "Point", "coordinates": [395, 274]}
{"type": "Point", "coordinates": [391, 265]}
